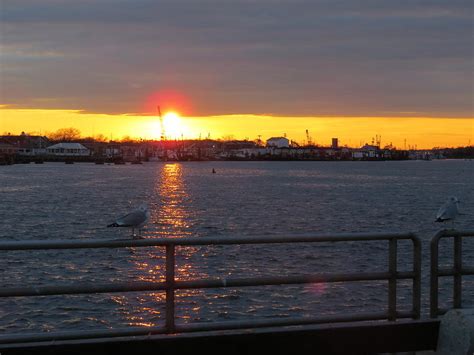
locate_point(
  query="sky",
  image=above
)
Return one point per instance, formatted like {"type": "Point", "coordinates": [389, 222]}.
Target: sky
{"type": "Point", "coordinates": [351, 69]}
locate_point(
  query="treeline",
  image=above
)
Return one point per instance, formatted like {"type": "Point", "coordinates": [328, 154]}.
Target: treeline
{"type": "Point", "coordinates": [72, 134]}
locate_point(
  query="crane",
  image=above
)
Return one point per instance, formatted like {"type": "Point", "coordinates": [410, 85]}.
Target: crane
{"type": "Point", "coordinates": [308, 138]}
{"type": "Point", "coordinates": [378, 140]}
{"type": "Point", "coordinates": [162, 126]}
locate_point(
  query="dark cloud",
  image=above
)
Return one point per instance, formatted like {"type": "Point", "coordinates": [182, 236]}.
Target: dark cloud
{"type": "Point", "coordinates": [283, 57]}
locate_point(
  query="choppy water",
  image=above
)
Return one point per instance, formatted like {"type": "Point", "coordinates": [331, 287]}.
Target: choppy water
{"type": "Point", "coordinates": [57, 201]}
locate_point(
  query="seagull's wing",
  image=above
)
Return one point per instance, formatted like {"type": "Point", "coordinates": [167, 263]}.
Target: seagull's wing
{"type": "Point", "coordinates": [447, 211]}
{"type": "Point", "coordinates": [133, 219]}
{"type": "Point", "coordinates": [441, 212]}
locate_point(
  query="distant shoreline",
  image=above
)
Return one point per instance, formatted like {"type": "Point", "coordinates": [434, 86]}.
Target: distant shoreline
{"type": "Point", "coordinates": [122, 162]}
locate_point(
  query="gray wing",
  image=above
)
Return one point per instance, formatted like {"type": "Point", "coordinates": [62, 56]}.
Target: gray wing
{"type": "Point", "coordinates": [132, 219]}
{"type": "Point", "coordinates": [447, 211]}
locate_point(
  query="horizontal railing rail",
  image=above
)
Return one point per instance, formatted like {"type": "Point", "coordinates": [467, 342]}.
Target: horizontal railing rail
{"type": "Point", "coordinates": [170, 284]}
{"type": "Point", "coordinates": [193, 241]}
{"type": "Point", "coordinates": [457, 271]}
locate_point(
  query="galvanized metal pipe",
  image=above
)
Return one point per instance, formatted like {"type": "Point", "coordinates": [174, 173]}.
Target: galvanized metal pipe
{"type": "Point", "coordinates": [279, 322]}
{"type": "Point", "coordinates": [446, 233]}
{"type": "Point", "coordinates": [457, 282]}
{"type": "Point", "coordinates": [170, 287]}
{"type": "Point", "coordinates": [171, 284]}
{"type": "Point", "coordinates": [466, 270]}
{"type": "Point", "coordinates": [434, 282]}
{"type": "Point", "coordinates": [78, 334]}
{"type": "Point", "coordinates": [457, 271]}
{"type": "Point", "coordinates": [78, 289]}
{"type": "Point", "coordinates": [186, 328]}
{"type": "Point", "coordinates": [392, 281]}
{"type": "Point", "coordinates": [289, 280]}
{"type": "Point", "coordinates": [416, 297]}
{"type": "Point", "coordinates": [189, 241]}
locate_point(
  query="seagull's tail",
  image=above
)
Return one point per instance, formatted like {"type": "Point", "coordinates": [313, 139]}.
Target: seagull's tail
{"type": "Point", "coordinates": [115, 224]}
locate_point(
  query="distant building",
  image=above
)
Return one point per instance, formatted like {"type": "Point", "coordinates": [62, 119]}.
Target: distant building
{"type": "Point", "coordinates": [371, 151]}
{"type": "Point", "coordinates": [335, 143]}
{"type": "Point", "coordinates": [369, 147]}
{"type": "Point", "coordinates": [113, 150]}
{"type": "Point", "coordinates": [278, 142]}
{"type": "Point", "coordinates": [238, 145]}
{"type": "Point", "coordinates": [246, 153]}
{"type": "Point", "coordinates": [68, 149]}
{"type": "Point", "coordinates": [7, 149]}
{"type": "Point", "coordinates": [26, 144]}
{"type": "Point", "coordinates": [359, 154]}
{"type": "Point", "coordinates": [97, 149]}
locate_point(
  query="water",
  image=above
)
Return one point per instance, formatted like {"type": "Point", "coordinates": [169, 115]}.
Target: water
{"type": "Point", "coordinates": [57, 201]}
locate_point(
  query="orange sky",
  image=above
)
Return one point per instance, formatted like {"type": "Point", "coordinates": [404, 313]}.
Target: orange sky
{"type": "Point", "coordinates": [424, 132]}
{"type": "Point", "coordinates": [420, 131]}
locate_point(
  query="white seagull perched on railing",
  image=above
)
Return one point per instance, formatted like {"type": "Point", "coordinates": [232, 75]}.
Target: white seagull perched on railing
{"type": "Point", "coordinates": [134, 220]}
{"type": "Point", "coordinates": [449, 211]}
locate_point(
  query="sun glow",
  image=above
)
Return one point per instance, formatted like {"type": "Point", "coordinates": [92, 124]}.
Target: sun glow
{"type": "Point", "coordinates": [172, 125]}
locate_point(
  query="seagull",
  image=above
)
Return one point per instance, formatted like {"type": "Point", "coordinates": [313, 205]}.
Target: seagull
{"type": "Point", "coordinates": [448, 211]}
{"type": "Point", "coordinates": [135, 219]}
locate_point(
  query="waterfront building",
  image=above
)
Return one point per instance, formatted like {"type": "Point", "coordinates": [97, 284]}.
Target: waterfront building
{"type": "Point", "coordinates": [278, 142]}
{"type": "Point", "coordinates": [370, 151]}
{"type": "Point", "coordinates": [68, 149]}
{"type": "Point", "coordinates": [7, 149]}
{"type": "Point", "coordinates": [27, 145]}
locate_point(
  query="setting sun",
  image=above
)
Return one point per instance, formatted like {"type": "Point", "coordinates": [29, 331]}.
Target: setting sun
{"type": "Point", "coordinates": [172, 125]}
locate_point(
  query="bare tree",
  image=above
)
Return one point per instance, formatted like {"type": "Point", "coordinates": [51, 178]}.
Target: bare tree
{"type": "Point", "coordinates": [65, 134]}
{"type": "Point", "coordinates": [100, 138]}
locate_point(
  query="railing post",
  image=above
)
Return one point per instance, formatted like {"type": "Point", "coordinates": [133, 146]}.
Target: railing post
{"type": "Point", "coordinates": [457, 281]}
{"type": "Point", "coordinates": [417, 278]}
{"type": "Point", "coordinates": [434, 275]}
{"type": "Point", "coordinates": [392, 282]}
{"type": "Point", "coordinates": [170, 285]}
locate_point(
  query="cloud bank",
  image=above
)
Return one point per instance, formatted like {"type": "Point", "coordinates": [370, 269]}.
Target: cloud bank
{"type": "Point", "coordinates": [377, 58]}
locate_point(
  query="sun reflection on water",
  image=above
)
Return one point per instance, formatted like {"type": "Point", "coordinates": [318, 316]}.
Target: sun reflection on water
{"type": "Point", "coordinates": [170, 217]}
{"type": "Point", "coordinates": [173, 217]}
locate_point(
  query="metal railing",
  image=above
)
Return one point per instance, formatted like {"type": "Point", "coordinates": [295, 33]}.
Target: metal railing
{"type": "Point", "coordinates": [457, 271]}
{"type": "Point", "coordinates": [170, 285]}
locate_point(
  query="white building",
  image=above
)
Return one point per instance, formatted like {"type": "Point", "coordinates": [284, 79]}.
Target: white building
{"type": "Point", "coordinates": [278, 142]}
{"type": "Point", "coordinates": [68, 149]}
{"type": "Point", "coordinates": [31, 151]}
